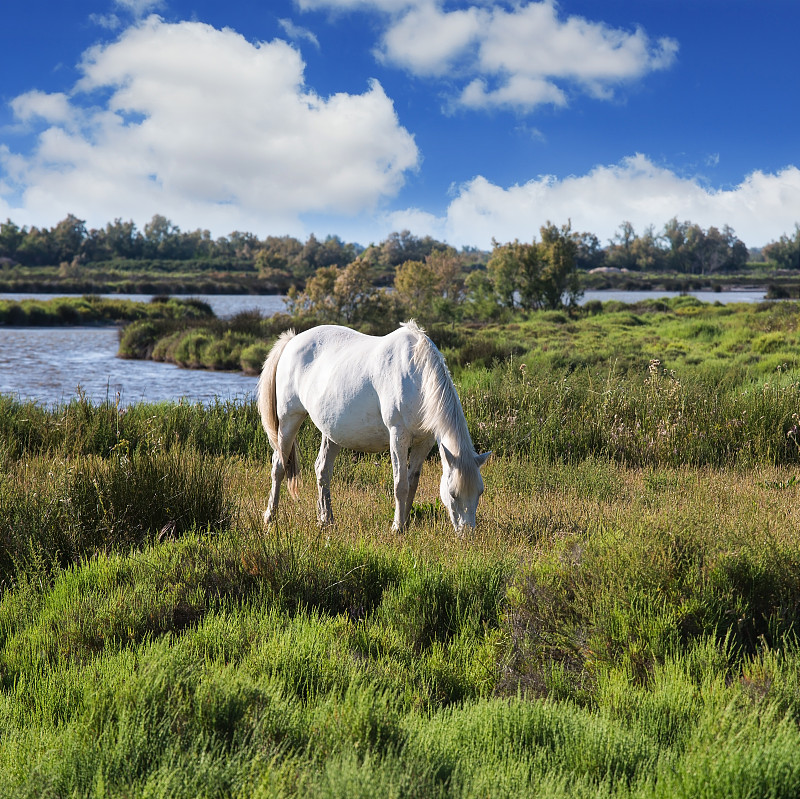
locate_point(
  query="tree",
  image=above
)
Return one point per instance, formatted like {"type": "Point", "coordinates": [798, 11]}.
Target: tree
{"type": "Point", "coordinates": [345, 296]}
{"type": "Point", "coordinates": [481, 299]}
{"type": "Point", "coordinates": [11, 237]}
{"type": "Point", "coordinates": [786, 251]}
{"type": "Point", "coordinates": [621, 253]}
{"type": "Point", "coordinates": [161, 238]}
{"type": "Point", "coordinates": [514, 270]}
{"type": "Point", "coordinates": [318, 299]}
{"type": "Point", "coordinates": [648, 253]}
{"type": "Point", "coordinates": [559, 275]}
{"type": "Point", "coordinates": [536, 275]}
{"type": "Point", "coordinates": [589, 253]}
{"type": "Point", "coordinates": [417, 286]}
{"type": "Point", "coordinates": [122, 239]}
{"type": "Point", "coordinates": [67, 238]}
{"type": "Point", "coordinates": [352, 292]}
{"type": "Point", "coordinates": [675, 233]}
{"type": "Point", "coordinates": [433, 288]}
{"type": "Point", "coordinates": [36, 249]}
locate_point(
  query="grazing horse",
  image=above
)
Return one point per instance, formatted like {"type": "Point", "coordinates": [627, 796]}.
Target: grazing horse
{"type": "Point", "coordinates": [369, 394]}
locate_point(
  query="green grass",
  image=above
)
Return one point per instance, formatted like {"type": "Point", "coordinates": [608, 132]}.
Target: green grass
{"type": "Point", "coordinates": [623, 623]}
{"type": "Point", "coordinates": [598, 650]}
{"type": "Point", "coordinates": [91, 309]}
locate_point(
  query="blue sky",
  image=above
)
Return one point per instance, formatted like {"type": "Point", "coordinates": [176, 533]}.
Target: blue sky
{"type": "Point", "coordinates": [465, 121]}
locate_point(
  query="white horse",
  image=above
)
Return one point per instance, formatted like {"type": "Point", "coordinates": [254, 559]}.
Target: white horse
{"type": "Point", "coordinates": [369, 394]}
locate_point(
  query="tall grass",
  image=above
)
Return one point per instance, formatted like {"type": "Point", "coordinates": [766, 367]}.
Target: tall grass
{"type": "Point", "coordinates": [623, 623]}
{"type": "Point", "coordinates": [63, 511]}
{"type": "Point", "coordinates": [247, 664]}
{"type": "Point", "coordinates": [79, 427]}
{"type": "Point", "coordinates": [648, 418]}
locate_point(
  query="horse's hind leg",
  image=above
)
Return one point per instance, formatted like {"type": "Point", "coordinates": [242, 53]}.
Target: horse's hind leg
{"type": "Point", "coordinates": [324, 467]}
{"type": "Point", "coordinates": [287, 432]}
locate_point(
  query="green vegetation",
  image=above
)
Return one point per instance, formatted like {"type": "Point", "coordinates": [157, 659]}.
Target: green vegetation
{"type": "Point", "coordinates": [663, 382]}
{"type": "Point", "coordinates": [623, 623]}
{"type": "Point", "coordinates": [611, 630]}
{"type": "Point", "coordinates": [89, 310]}
{"type": "Point", "coordinates": [162, 259]}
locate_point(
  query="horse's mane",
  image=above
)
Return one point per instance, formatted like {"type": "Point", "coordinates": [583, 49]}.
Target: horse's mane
{"type": "Point", "coordinates": [442, 413]}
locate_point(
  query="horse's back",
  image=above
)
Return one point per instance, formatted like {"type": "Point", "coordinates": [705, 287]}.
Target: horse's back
{"type": "Point", "coordinates": [353, 386]}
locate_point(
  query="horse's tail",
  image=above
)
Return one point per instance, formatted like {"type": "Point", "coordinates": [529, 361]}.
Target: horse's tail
{"type": "Point", "coordinates": [268, 408]}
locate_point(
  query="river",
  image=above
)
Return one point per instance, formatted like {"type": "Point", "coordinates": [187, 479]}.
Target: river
{"type": "Point", "coordinates": [50, 365]}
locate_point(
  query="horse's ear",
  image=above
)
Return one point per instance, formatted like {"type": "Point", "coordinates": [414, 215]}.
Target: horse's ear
{"type": "Point", "coordinates": [448, 457]}
{"type": "Point", "coordinates": [482, 458]}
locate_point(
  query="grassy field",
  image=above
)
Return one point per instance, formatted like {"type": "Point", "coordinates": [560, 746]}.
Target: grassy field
{"type": "Point", "coordinates": [623, 623]}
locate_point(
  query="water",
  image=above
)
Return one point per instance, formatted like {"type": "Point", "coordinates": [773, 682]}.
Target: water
{"type": "Point", "coordinates": [223, 305]}
{"type": "Point", "coordinates": [734, 295]}
{"type": "Point", "coordinates": [49, 364]}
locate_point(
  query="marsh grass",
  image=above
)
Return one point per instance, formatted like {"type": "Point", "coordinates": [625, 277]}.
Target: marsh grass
{"type": "Point", "coordinates": [91, 309]}
{"type": "Point", "coordinates": [236, 344]}
{"type": "Point", "coordinates": [623, 623]}
{"type": "Point", "coordinates": [608, 630]}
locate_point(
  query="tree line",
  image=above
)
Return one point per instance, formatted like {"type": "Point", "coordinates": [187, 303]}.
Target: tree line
{"type": "Point", "coordinates": [331, 280]}
{"type": "Point", "coordinates": [682, 247]}
{"type": "Point", "coordinates": [440, 287]}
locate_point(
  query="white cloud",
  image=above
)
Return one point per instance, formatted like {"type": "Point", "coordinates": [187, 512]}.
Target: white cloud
{"type": "Point", "coordinates": [140, 8]}
{"type": "Point", "coordinates": [389, 6]}
{"type": "Point", "coordinates": [519, 91]}
{"type": "Point", "coordinates": [33, 105]}
{"type": "Point", "coordinates": [531, 45]}
{"type": "Point", "coordinates": [298, 33]}
{"type": "Point", "coordinates": [207, 128]}
{"type": "Point", "coordinates": [426, 40]}
{"type": "Point", "coordinates": [760, 209]}
{"type": "Point", "coordinates": [519, 58]}
{"type": "Point", "coordinates": [135, 9]}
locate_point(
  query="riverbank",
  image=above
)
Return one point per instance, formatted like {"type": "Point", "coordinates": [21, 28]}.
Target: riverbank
{"type": "Point", "coordinates": [776, 284]}
{"type": "Point", "coordinates": [138, 277]}
{"type": "Point", "coordinates": [173, 278]}
{"type": "Point", "coordinates": [679, 332]}
{"type": "Point", "coordinates": [95, 310]}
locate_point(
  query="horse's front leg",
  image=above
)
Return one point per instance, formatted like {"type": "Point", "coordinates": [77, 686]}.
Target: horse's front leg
{"type": "Point", "coordinates": [415, 460]}
{"type": "Point", "coordinates": [324, 467]}
{"type": "Point", "coordinates": [398, 449]}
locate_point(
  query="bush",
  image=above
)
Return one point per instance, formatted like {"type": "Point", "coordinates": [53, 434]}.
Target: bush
{"type": "Point", "coordinates": [252, 358]}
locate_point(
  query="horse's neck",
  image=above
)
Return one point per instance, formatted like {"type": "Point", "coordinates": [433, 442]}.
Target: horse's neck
{"type": "Point", "coordinates": [441, 408]}
{"type": "Point", "coordinates": [453, 433]}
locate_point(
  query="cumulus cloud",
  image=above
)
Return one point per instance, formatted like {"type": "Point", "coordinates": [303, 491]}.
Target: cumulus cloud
{"type": "Point", "coordinates": [531, 45]}
{"type": "Point", "coordinates": [760, 209]}
{"type": "Point", "coordinates": [427, 40]}
{"type": "Point", "coordinates": [207, 128]}
{"type": "Point", "coordinates": [53, 107]}
{"type": "Point", "coordinates": [519, 58]}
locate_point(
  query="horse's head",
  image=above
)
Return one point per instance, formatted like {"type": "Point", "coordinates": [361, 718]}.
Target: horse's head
{"type": "Point", "coordinates": [461, 486]}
